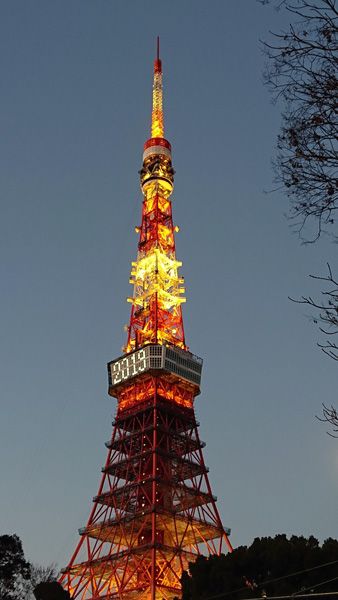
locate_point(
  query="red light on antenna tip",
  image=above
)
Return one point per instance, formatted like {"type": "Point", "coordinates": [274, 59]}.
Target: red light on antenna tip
{"type": "Point", "coordinates": [157, 66]}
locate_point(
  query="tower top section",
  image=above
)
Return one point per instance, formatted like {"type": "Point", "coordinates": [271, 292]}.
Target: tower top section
{"type": "Point", "coordinates": [157, 144]}
{"type": "Point", "coordinates": [156, 316]}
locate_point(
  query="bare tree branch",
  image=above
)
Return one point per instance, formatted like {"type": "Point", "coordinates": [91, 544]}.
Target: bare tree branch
{"type": "Point", "coordinates": [326, 311]}
{"type": "Point", "coordinates": [301, 71]}
{"type": "Point", "coordinates": [330, 416]}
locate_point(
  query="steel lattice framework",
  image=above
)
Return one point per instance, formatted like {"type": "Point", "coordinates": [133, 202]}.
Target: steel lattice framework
{"type": "Point", "coordinates": [154, 511]}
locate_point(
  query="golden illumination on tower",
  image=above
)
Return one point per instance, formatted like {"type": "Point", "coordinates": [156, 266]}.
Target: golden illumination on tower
{"type": "Point", "coordinates": [156, 273]}
{"type": "Point", "coordinates": [157, 124]}
{"type": "Point", "coordinates": [154, 512]}
{"type": "Point", "coordinates": [158, 288]}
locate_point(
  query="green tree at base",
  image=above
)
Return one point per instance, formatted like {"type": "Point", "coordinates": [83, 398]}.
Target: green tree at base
{"type": "Point", "coordinates": [270, 566]}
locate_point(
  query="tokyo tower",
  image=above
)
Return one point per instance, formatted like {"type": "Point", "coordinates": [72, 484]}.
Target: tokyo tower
{"type": "Point", "coordinates": [154, 511]}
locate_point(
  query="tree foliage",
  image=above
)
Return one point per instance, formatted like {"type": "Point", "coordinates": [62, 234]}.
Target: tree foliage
{"type": "Point", "coordinates": [15, 571]}
{"type": "Point", "coordinates": [39, 575]}
{"type": "Point", "coordinates": [50, 590]}
{"type": "Point", "coordinates": [21, 580]}
{"type": "Point", "coordinates": [302, 72]}
{"type": "Point", "coordinates": [270, 566]}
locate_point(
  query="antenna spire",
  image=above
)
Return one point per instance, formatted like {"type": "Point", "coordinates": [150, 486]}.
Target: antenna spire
{"type": "Point", "coordinates": [157, 122]}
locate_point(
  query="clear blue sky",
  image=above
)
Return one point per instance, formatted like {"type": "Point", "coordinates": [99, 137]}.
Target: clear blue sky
{"type": "Point", "coordinates": [75, 111]}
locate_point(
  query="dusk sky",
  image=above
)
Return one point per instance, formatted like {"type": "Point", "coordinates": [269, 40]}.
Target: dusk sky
{"type": "Point", "coordinates": [75, 111]}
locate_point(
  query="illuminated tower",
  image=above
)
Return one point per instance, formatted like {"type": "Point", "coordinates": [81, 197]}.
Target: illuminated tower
{"type": "Point", "coordinates": [154, 511]}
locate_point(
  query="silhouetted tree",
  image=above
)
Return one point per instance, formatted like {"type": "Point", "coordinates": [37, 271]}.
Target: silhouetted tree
{"type": "Point", "coordinates": [302, 72]}
{"type": "Point", "coordinates": [38, 575]}
{"type": "Point", "coordinates": [50, 591]}
{"type": "Point", "coordinates": [20, 579]}
{"type": "Point", "coordinates": [270, 566]}
{"type": "Point", "coordinates": [14, 569]}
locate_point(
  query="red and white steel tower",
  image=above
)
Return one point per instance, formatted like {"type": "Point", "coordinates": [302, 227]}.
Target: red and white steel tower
{"type": "Point", "coordinates": [154, 511]}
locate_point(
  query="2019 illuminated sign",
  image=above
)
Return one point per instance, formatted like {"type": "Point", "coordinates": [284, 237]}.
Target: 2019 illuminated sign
{"type": "Point", "coordinates": [174, 360]}
{"type": "Point", "coordinates": [128, 367]}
